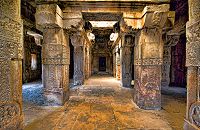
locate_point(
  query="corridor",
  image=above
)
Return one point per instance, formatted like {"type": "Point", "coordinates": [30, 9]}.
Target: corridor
{"type": "Point", "coordinates": [101, 103]}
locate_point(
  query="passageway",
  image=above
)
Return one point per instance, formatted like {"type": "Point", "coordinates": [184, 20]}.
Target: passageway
{"type": "Point", "coordinates": [101, 103]}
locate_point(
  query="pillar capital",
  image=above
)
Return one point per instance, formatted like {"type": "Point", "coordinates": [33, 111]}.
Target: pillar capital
{"type": "Point", "coordinates": [48, 16]}
{"type": "Point", "coordinates": [77, 40]}
{"type": "Point", "coordinates": [153, 16]}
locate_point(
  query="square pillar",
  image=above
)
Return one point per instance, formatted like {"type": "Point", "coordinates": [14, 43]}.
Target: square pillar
{"type": "Point", "coordinates": [192, 121]}
{"type": "Point", "coordinates": [11, 55]}
{"type": "Point", "coordinates": [125, 62]}
{"type": "Point", "coordinates": [114, 64]}
{"type": "Point", "coordinates": [56, 60]}
{"type": "Point", "coordinates": [77, 42]}
{"type": "Point", "coordinates": [117, 65]}
{"type": "Point", "coordinates": [148, 58]}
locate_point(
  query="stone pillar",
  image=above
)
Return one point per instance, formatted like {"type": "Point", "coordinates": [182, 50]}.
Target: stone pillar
{"type": "Point", "coordinates": [118, 64]}
{"type": "Point", "coordinates": [77, 42]}
{"type": "Point", "coordinates": [114, 63]}
{"type": "Point", "coordinates": [87, 62]}
{"type": "Point", "coordinates": [11, 55]}
{"type": "Point", "coordinates": [192, 121]}
{"type": "Point", "coordinates": [148, 58]}
{"type": "Point", "coordinates": [55, 54]}
{"type": "Point", "coordinates": [166, 66]}
{"type": "Point", "coordinates": [56, 60]}
{"type": "Point", "coordinates": [170, 40]}
{"type": "Point", "coordinates": [125, 62]}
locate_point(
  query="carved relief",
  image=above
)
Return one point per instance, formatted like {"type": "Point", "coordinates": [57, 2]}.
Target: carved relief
{"type": "Point", "coordinates": [5, 80]}
{"type": "Point", "coordinates": [11, 37]}
{"type": "Point", "coordinates": [158, 61]}
{"type": "Point", "coordinates": [193, 45]}
{"type": "Point", "coordinates": [194, 114]}
{"type": "Point", "coordinates": [77, 40]}
{"type": "Point", "coordinates": [8, 113]}
{"type": "Point", "coordinates": [156, 18]}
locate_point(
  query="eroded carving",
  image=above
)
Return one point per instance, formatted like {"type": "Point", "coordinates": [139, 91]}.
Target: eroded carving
{"type": "Point", "coordinates": [194, 114]}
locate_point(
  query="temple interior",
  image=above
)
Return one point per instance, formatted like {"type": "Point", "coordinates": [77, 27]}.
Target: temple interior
{"type": "Point", "coordinates": [99, 64]}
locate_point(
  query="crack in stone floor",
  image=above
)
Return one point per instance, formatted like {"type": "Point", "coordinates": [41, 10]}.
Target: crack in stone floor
{"type": "Point", "coordinates": [101, 103]}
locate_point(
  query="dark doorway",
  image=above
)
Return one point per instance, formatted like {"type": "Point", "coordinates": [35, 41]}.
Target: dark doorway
{"type": "Point", "coordinates": [102, 63]}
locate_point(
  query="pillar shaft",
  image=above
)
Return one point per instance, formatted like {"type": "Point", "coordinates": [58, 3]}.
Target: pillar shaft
{"type": "Point", "coordinates": [125, 64]}
{"type": "Point", "coordinates": [166, 66]}
{"type": "Point", "coordinates": [118, 66]}
{"type": "Point", "coordinates": [55, 59]}
{"type": "Point", "coordinates": [77, 42]}
{"type": "Point", "coordinates": [11, 55]}
{"type": "Point", "coordinates": [114, 64]}
{"type": "Point", "coordinates": [147, 68]}
{"type": "Point", "coordinates": [193, 64]}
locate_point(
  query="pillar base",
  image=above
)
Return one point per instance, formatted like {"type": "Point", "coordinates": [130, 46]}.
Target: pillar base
{"type": "Point", "coordinates": [188, 126]}
{"type": "Point", "coordinates": [16, 124]}
{"type": "Point", "coordinates": [56, 96]}
{"type": "Point", "coordinates": [78, 80]}
{"type": "Point", "coordinates": [126, 82]}
{"type": "Point", "coordinates": [147, 87]}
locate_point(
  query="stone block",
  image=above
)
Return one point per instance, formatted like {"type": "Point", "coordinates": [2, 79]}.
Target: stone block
{"type": "Point", "coordinates": [49, 15]}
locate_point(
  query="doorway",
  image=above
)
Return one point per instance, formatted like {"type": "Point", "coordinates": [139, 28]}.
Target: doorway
{"type": "Point", "coordinates": [102, 63]}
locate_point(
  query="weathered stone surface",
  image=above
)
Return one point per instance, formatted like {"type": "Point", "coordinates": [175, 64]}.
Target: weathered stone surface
{"type": "Point", "coordinates": [11, 54]}
{"type": "Point", "coordinates": [55, 59]}
{"type": "Point", "coordinates": [193, 63]}
{"type": "Point", "coordinates": [49, 15]}
{"type": "Point", "coordinates": [125, 62]}
{"type": "Point", "coordinates": [78, 43]}
{"type": "Point", "coordinates": [148, 59]}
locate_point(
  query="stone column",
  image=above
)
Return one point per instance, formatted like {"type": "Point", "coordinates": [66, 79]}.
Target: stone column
{"type": "Point", "coordinates": [56, 60]}
{"type": "Point", "coordinates": [148, 58]}
{"type": "Point", "coordinates": [192, 121]}
{"type": "Point", "coordinates": [170, 40]}
{"type": "Point", "coordinates": [118, 64]}
{"type": "Point", "coordinates": [125, 62]}
{"type": "Point", "coordinates": [87, 62]}
{"type": "Point", "coordinates": [11, 55]}
{"type": "Point", "coordinates": [114, 63]}
{"type": "Point", "coordinates": [77, 42]}
{"type": "Point", "coordinates": [55, 54]}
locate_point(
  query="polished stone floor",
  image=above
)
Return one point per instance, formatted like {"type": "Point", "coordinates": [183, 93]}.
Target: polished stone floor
{"type": "Point", "coordinates": [101, 103]}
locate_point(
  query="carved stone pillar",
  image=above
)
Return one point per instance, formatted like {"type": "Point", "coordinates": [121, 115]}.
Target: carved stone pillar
{"type": "Point", "coordinates": [77, 42]}
{"type": "Point", "coordinates": [148, 59]}
{"type": "Point", "coordinates": [56, 60]}
{"type": "Point", "coordinates": [114, 64]}
{"type": "Point", "coordinates": [192, 121]}
{"type": "Point", "coordinates": [11, 55]}
{"type": "Point", "coordinates": [170, 40]}
{"type": "Point", "coordinates": [118, 64]}
{"type": "Point", "coordinates": [87, 65]}
{"type": "Point", "coordinates": [125, 62]}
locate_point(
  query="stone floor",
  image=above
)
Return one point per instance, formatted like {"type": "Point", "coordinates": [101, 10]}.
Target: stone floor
{"type": "Point", "coordinates": [101, 103]}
